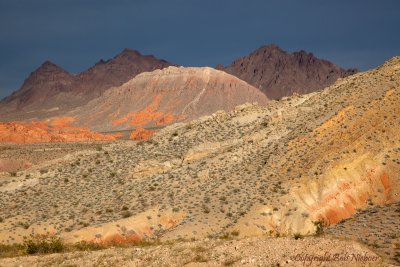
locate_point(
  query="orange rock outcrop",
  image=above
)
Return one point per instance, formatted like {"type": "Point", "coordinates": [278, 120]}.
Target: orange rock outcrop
{"type": "Point", "coordinates": [147, 115]}
{"type": "Point", "coordinates": [141, 134]}
{"type": "Point", "coordinates": [54, 130]}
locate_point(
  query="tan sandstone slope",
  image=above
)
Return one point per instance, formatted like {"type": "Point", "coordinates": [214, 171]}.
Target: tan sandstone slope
{"type": "Point", "coordinates": [275, 170]}
{"type": "Point", "coordinates": [165, 96]}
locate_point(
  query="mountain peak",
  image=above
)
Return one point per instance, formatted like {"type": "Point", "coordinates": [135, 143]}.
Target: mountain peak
{"type": "Point", "coordinates": [271, 47]}
{"type": "Point", "coordinates": [48, 63]}
{"type": "Point", "coordinates": [279, 73]}
{"type": "Point", "coordinates": [128, 52]}
{"type": "Point", "coordinates": [42, 87]}
{"type": "Point", "coordinates": [49, 66]}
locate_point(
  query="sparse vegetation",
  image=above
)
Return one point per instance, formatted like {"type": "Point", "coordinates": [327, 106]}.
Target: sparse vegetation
{"type": "Point", "coordinates": [224, 172]}
{"type": "Point", "coordinates": [319, 227]}
{"type": "Point", "coordinates": [297, 236]}
{"type": "Point", "coordinates": [43, 244]}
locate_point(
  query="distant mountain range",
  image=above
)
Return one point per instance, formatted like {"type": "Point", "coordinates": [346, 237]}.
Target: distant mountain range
{"type": "Point", "coordinates": [51, 90]}
{"type": "Point", "coordinates": [129, 90]}
{"type": "Point", "coordinates": [278, 73]}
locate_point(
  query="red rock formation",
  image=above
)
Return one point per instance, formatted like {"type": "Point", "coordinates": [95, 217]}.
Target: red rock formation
{"type": "Point", "coordinates": [56, 130]}
{"type": "Point", "coordinates": [278, 73]}
{"type": "Point", "coordinates": [343, 200]}
{"type": "Point", "coordinates": [147, 115]}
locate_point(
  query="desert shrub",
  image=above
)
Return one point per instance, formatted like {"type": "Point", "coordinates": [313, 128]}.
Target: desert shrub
{"type": "Point", "coordinates": [319, 227]}
{"type": "Point", "coordinates": [225, 236]}
{"type": "Point", "coordinates": [297, 236]}
{"type": "Point", "coordinates": [206, 209]}
{"type": "Point", "coordinates": [235, 233]}
{"type": "Point", "coordinates": [265, 123]}
{"type": "Point", "coordinates": [200, 258]}
{"type": "Point", "coordinates": [126, 214]}
{"type": "Point", "coordinates": [42, 244]}
{"type": "Point", "coordinates": [230, 262]}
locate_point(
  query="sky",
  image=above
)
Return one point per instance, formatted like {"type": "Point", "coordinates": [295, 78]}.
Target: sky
{"type": "Point", "coordinates": [75, 34]}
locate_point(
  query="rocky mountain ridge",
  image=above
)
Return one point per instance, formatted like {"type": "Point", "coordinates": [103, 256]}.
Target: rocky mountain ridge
{"type": "Point", "coordinates": [278, 73]}
{"type": "Point", "coordinates": [52, 91]}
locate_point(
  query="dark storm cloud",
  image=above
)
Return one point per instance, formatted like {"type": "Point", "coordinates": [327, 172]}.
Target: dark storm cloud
{"type": "Point", "coordinates": [76, 33]}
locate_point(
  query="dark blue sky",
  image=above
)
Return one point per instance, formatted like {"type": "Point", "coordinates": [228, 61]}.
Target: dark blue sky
{"type": "Point", "coordinates": [77, 33]}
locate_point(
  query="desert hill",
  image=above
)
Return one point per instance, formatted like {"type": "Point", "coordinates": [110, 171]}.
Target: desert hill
{"type": "Point", "coordinates": [51, 91]}
{"type": "Point", "coordinates": [165, 96]}
{"type": "Point", "coordinates": [290, 168]}
{"type": "Point", "coordinates": [278, 73]}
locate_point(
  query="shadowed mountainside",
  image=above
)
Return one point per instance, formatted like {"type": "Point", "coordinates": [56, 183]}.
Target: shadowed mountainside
{"type": "Point", "coordinates": [51, 91]}
{"type": "Point", "coordinates": [278, 73]}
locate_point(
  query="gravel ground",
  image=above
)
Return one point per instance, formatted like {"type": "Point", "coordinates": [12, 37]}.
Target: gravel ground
{"type": "Point", "coordinates": [244, 252]}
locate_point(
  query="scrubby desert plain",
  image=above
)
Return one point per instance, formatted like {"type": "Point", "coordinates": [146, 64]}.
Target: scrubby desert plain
{"type": "Point", "coordinates": [310, 179]}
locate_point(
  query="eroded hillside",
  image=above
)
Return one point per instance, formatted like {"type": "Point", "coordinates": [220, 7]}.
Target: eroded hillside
{"type": "Point", "coordinates": [162, 97]}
